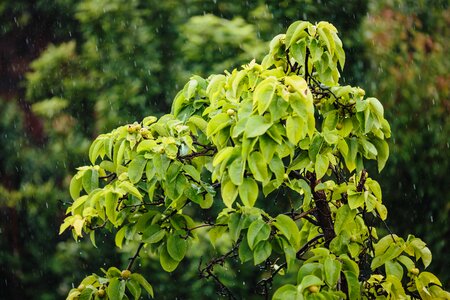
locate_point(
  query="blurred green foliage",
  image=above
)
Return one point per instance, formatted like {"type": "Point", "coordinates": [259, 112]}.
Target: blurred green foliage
{"type": "Point", "coordinates": [116, 61]}
{"type": "Point", "coordinates": [407, 46]}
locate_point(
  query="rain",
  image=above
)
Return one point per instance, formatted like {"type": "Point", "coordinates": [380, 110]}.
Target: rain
{"type": "Point", "coordinates": [73, 71]}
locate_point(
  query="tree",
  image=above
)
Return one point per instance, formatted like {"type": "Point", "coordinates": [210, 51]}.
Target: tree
{"type": "Point", "coordinates": [231, 144]}
{"type": "Point", "coordinates": [125, 55]}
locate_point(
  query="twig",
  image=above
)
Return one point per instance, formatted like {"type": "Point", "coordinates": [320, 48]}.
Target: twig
{"type": "Point", "coordinates": [308, 245]}
{"type": "Point", "coordinates": [189, 230]}
{"type": "Point", "coordinates": [197, 154]}
{"type": "Point", "coordinates": [133, 259]}
{"type": "Point", "coordinates": [266, 283]}
{"type": "Point", "coordinates": [207, 271]}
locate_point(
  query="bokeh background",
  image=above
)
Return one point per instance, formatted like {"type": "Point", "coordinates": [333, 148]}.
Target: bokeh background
{"type": "Point", "coordinates": [70, 70]}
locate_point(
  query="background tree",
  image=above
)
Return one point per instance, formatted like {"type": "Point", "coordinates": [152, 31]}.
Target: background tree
{"type": "Point", "coordinates": [409, 72]}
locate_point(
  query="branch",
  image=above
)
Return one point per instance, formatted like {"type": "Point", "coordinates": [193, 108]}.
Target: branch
{"type": "Point", "coordinates": [362, 181]}
{"type": "Point", "coordinates": [296, 216]}
{"type": "Point", "coordinates": [156, 203]}
{"type": "Point", "coordinates": [266, 283]}
{"type": "Point", "coordinates": [207, 271]}
{"type": "Point", "coordinates": [308, 245]}
{"type": "Point", "coordinates": [197, 154]}
{"type": "Point", "coordinates": [323, 210]}
{"type": "Point", "coordinates": [136, 255]}
{"type": "Point", "coordinates": [189, 230]}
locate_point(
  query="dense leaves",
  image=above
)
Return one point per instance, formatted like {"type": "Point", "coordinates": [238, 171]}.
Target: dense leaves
{"type": "Point", "coordinates": [285, 124]}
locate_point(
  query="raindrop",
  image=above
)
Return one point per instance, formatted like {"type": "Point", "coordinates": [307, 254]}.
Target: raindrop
{"type": "Point", "coordinates": [431, 219]}
{"type": "Point", "coordinates": [414, 186]}
{"type": "Point", "coordinates": [46, 204]}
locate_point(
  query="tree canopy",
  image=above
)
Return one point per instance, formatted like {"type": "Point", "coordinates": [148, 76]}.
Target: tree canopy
{"type": "Point", "coordinates": [277, 153]}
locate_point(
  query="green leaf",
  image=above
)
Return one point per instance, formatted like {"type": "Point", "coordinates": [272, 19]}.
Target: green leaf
{"type": "Point", "coordinates": [383, 152]}
{"type": "Point", "coordinates": [314, 148]}
{"type": "Point", "coordinates": [120, 236]}
{"type": "Point", "coordinates": [287, 292]}
{"type": "Point", "coordinates": [192, 172]}
{"type": "Point", "coordinates": [295, 32]}
{"type": "Point", "coordinates": [86, 294]}
{"type": "Point", "coordinates": [176, 247]}
{"type": "Point", "coordinates": [245, 253]}
{"type": "Point", "coordinates": [256, 126]}
{"type": "Point", "coordinates": [116, 289]}
{"type": "Point", "coordinates": [352, 284]}
{"type": "Point", "coordinates": [394, 268]}
{"type": "Point", "coordinates": [146, 146]}
{"type": "Point", "coordinates": [257, 231]}
{"type": "Point", "coordinates": [218, 122]}
{"type": "Point", "coordinates": [289, 229]}
{"type": "Point", "coordinates": [130, 188]}
{"type": "Point", "coordinates": [406, 261]}
{"type": "Point", "coordinates": [153, 234]}
{"type": "Point", "coordinates": [392, 252]}
{"type": "Point", "coordinates": [167, 262]}
{"type": "Point", "coordinates": [134, 288]}
{"type": "Point", "coordinates": [95, 149]}
{"type": "Point", "coordinates": [332, 270]}
{"type": "Point", "coordinates": [143, 282]}
{"type": "Point", "coordinates": [120, 153]}
{"type": "Point", "coordinates": [277, 167]}
{"type": "Point", "coordinates": [223, 155]}
{"type": "Point", "coordinates": [236, 171]}
{"type": "Point", "coordinates": [258, 166]}
{"type": "Point", "coordinates": [321, 166]}
{"type": "Point", "coordinates": [264, 94]}
{"type": "Point", "coordinates": [350, 159]}
{"type": "Point", "coordinates": [111, 199]}
{"type": "Point", "coordinates": [298, 51]}
{"type": "Point", "coordinates": [268, 147]}
{"type": "Point", "coordinates": [343, 215]}
{"type": "Point", "coordinates": [236, 224]}
{"type": "Point", "coordinates": [136, 168]}
{"type": "Point", "coordinates": [90, 180]}
{"type": "Point", "coordinates": [310, 280]}
{"type": "Point", "coordinates": [355, 200]}
{"type": "Point", "coordinates": [248, 192]}
{"type": "Point", "coordinates": [316, 51]}
{"type": "Point", "coordinates": [376, 107]}
{"type": "Point", "coordinates": [261, 252]}
{"type": "Point", "coordinates": [295, 129]}
{"type": "Point", "coordinates": [229, 192]}
{"type": "Point", "coordinates": [75, 187]}
{"type": "Point", "coordinates": [324, 38]}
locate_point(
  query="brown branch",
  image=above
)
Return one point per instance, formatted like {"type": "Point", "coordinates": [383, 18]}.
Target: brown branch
{"type": "Point", "coordinates": [323, 209]}
{"type": "Point", "coordinates": [362, 181]}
